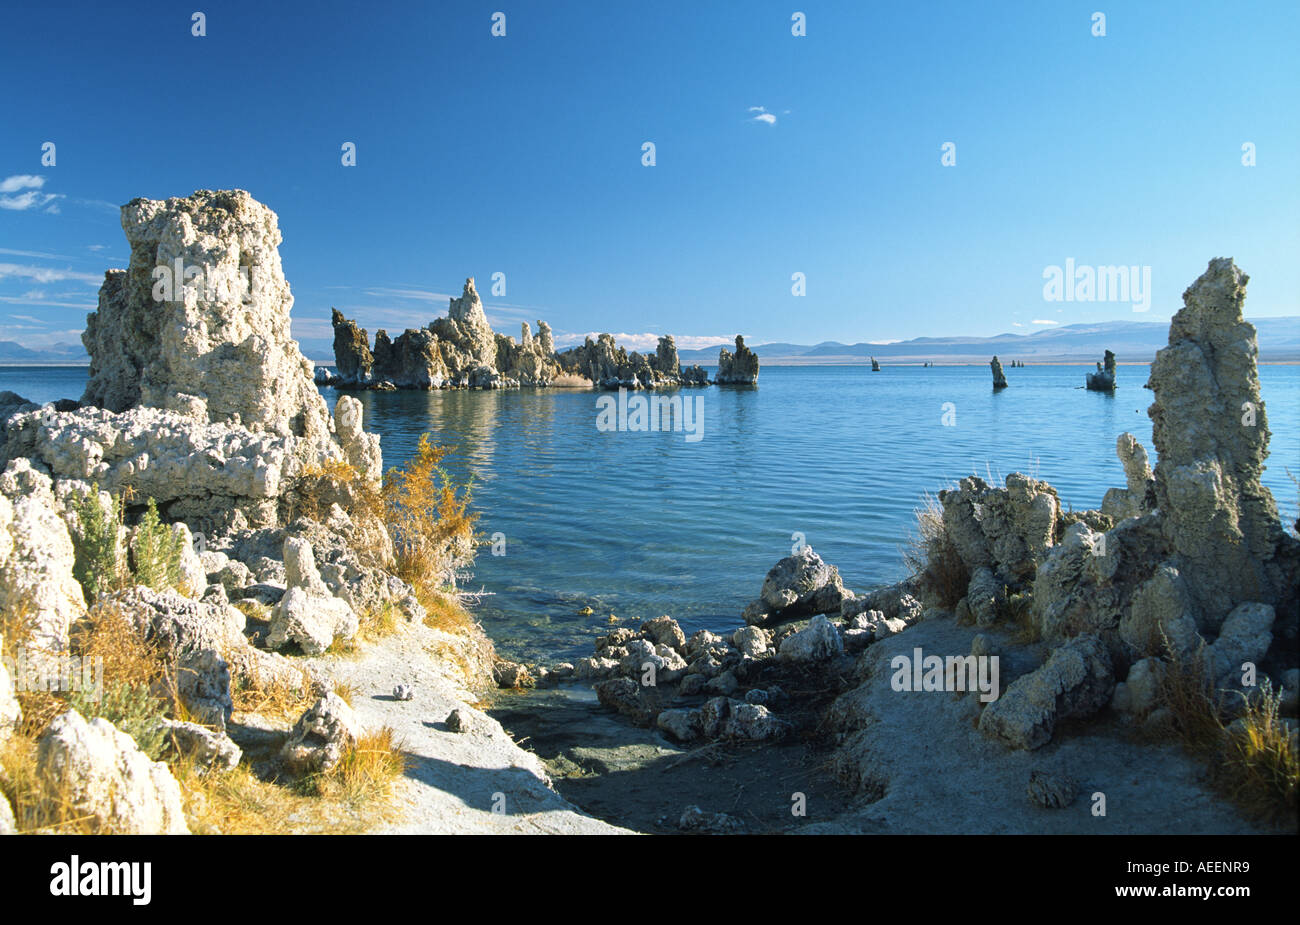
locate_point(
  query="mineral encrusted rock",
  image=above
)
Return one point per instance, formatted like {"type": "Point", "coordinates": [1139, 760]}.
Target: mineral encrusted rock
{"type": "Point", "coordinates": [198, 397]}
{"type": "Point", "coordinates": [103, 775]}
{"type": "Point", "coordinates": [195, 638]}
{"type": "Point", "coordinates": [999, 378]}
{"type": "Point", "coordinates": [610, 366]}
{"type": "Point", "coordinates": [1077, 680]}
{"type": "Point", "coordinates": [217, 347]}
{"type": "Point", "coordinates": [308, 614]}
{"type": "Point", "coordinates": [739, 368]}
{"type": "Point", "coordinates": [1210, 432]}
{"type": "Point", "coordinates": [1103, 380]}
{"type": "Point", "coordinates": [207, 748]}
{"type": "Point", "coordinates": [799, 585]}
{"type": "Point", "coordinates": [352, 354]}
{"type": "Point", "coordinates": [457, 351]}
{"type": "Point", "coordinates": [37, 557]}
{"type": "Point", "coordinates": [1138, 497]}
{"type": "Point", "coordinates": [321, 737]}
{"type": "Point", "coordinates": [1009, 530]}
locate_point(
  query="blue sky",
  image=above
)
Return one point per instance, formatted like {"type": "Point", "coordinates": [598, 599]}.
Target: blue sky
{"type": "Point", "coordinates": [523, 155]}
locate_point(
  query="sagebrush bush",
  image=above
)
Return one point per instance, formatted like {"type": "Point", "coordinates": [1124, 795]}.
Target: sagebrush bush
{"type": "Point", "coordinates": [156, 552]}
{"type": "Point", "coordinates": [98, 565]}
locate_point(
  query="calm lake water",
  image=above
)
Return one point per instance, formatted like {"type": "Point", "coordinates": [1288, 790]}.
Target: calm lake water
{"type": "Point", "coordinates": [640, 524]}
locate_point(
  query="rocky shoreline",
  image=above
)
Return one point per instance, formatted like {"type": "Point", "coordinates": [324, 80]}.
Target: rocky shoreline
{"type": "Point", "coordinates": [202, 491]}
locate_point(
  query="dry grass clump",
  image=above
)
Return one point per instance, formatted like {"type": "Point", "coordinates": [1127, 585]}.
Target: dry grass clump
{"type": "Point", "coordinates": [933, 560]}
{"type": "Point", "coordinates": [445, 612]}
{"type": "Point", "coordinates": [365, 776]}
{"type": "Point", "coordinates": [274, 698]}
{"type": "Point", "coordinates": [1253, 759]}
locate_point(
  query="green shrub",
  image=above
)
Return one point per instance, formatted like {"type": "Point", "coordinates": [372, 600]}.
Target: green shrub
{"type": "Point", "coordinates": [98, 565]}
{"type": "Point", "coordinates": [129, 707]}
{"type": "Point", "coordinates": [156, 552]}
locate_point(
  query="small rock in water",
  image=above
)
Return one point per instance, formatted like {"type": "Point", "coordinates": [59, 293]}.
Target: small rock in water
{"type": "Point", "coordinates": [404, 692]}
{"type": "Point", "coordinates": [1051, 790]}
{"type": "Point", "coordinates": [586, 612]}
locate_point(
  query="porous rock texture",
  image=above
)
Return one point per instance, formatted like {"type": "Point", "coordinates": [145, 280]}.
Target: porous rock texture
{"type": "Point", "coordinates": [198, 397]}
{"type": "Point", "coordinates": [103, 775]}
{"type": "Point", "coordinates": [799, 585]}
{"type": "Point", "coordinates": [1210, 432]}
{"type": "Point", "coordinates": [1138, 496]}
{"type": "Point", "coordinates": [457, 351]}
{"type": "Point", "coordinates": [215, 347]}
{"type": "Point", "coordinates": [36, 557]}
{"type": "Point", "coordinates": [610, 366]}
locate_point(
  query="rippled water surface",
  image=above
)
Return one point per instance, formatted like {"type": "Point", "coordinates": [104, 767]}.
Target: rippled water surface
{"type": "Point", "coordinates": [640, 524]}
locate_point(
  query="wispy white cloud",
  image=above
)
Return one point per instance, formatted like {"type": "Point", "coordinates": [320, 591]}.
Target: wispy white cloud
{"type": "Point", "coordinates": [47, 274]}
{"type": "Point", "coordinates": [1043, 321]}
{"type": "Point", "coordinates": [762, 115]}
{"type": "Point", "coordinates": [24, 192]}
{"type": "Point", "coordinates": [21, 181]}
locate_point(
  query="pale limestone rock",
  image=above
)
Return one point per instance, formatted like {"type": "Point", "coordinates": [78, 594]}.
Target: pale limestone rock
{"type": "Point", "coordinates": [1210, 432]}
{"type": "Point", "coordinates": [1138, 497]}
{"type": "Point", "coordinates": [321, 737]}
{"type": "Point", "coordinates": [308, 614]}
{"type": "Point", "coordinates": [219, 348]}
{"type": "Point", "coordinates": [797, 586]}
{"type": "Point", "coordinates": [739, 368]}
{"type": "Point", "coordinates": [1244, 637]}
{"type": "Point", "coordinates": [818, 642]}
{"type": "Point", "coordinates": [1076, 681]}
{"type": "Point", "coordinates": [36, 556]}
{"type": "Point", "coordinates": [105, 776]}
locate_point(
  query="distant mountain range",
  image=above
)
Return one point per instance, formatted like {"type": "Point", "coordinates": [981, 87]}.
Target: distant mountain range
{"type": "Point", "coordinates": [13, 353]}
{"type": "Point", "coordinates": [1132, 341]}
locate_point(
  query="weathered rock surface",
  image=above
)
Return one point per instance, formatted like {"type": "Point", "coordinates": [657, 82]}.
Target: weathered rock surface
{"type": "Point", "coordinates": [1211, 435]}
{"type": "Point", "coordinates": [818, 642]}
{"type": "Point", "coordinates": [1138, 497]}
{"type": "Point", "coordinates": [321, 737]}
{"type": "Point", "coordinates": [104, 775]}
{"type": "Point", "coordinates": [37, 556]}
{"type": "Point", "coordinates": [798, 586]}
{"type": "Point", "coordinates": [739, 368]}
{"type": "Point", "coordinates": [195, 637]}
{"type": "Point", "coordinates": [1077, 680]}
{"type": "Point", "coordinates": [308, 614]}
{"type": "Point", "coordinates": [1008, 530]}
{"type": "Point", "coordinates": [610, 366]}
{"type": "Point", "coordinates": [1103, 380]}
{"type": "Point", "coordinates": [457, 351]}
{"type": "Point", "coordinates": [215, 347]}
{"type": "Point", "coordinates": [207, 748]}
{"type": "Point", "coordinates": [352, 355]}
{"type": "Point", "coordinates": [999, 377]}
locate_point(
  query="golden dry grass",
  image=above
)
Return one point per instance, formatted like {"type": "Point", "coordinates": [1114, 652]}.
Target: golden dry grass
{"type": "Point", "coordinates": [1253, 761]}
{"type": "Point", "coordinates": [931, 558]}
